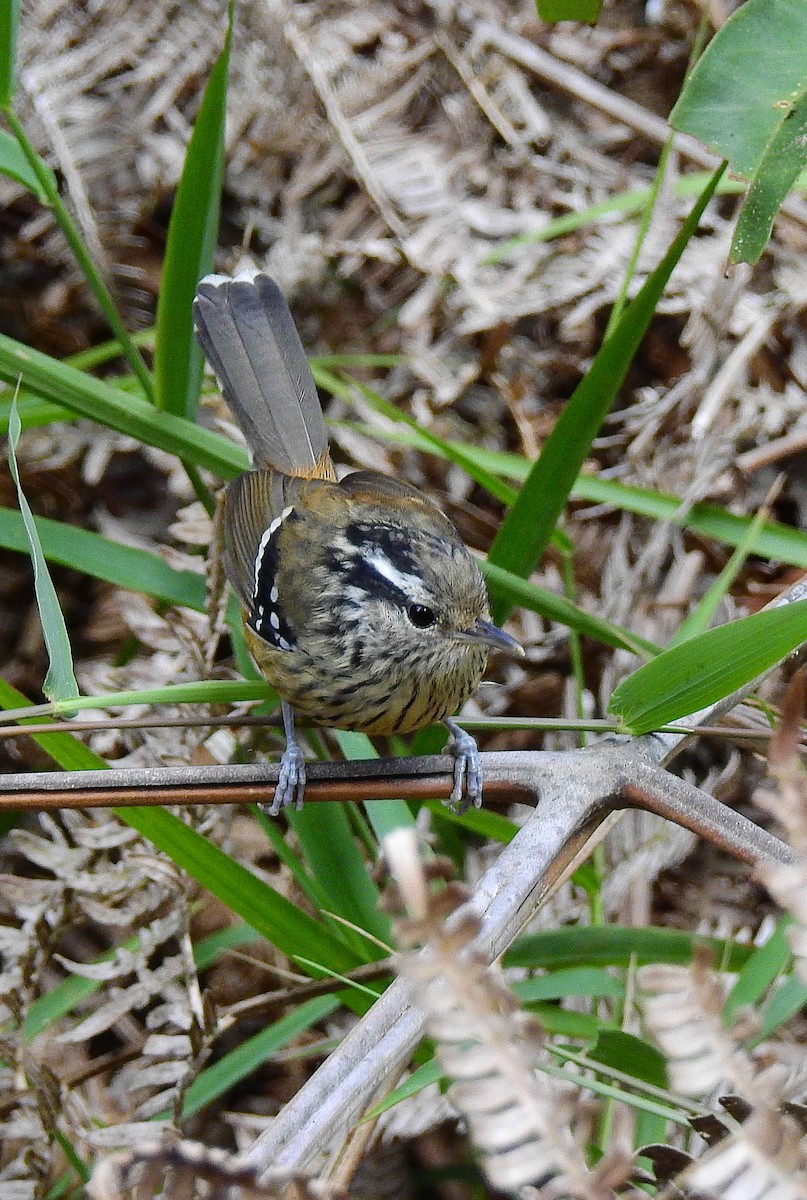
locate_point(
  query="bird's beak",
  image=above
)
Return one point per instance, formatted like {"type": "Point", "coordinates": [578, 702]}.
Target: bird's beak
{"type": "Point", "coordinates": [490, 635]}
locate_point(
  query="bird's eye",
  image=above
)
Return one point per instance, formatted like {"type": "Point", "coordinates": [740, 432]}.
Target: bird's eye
{"type": "Point", "coordinates": [421, 616]}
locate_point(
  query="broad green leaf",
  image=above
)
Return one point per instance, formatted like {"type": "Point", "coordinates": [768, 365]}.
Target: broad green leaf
{"type": "Point", "coordinates": [569, 10]}
{"type": "Point", "coordinates": [9, 22]}
{"type": "Point", "coordinates": [15, 165]}
{"type": "Point", "coordinates": [250, 1056]}
{"type": "Point", "coordinates": [189, 247]}
{"type": "Point", "coordinates": [60, 681]}
{"type": "Point", "coordinates": [528, 525]}
{"type": "Point", "coordinates": [618, 946]}
{"type": "Point", "coordinates": [631, 1054]}
{"type": "Point", "coordinates": [573, 981]}
{"type": "Point", "coordinates": [702, 670]}
{"type": "Point", "coordinates": [65, 385]}
{"type": "Point", "coordinates": [125, 566]}
{"type": "Point", "coordinates": [741, 91]}
{"type": "Point", "coordinates": [780, 166]}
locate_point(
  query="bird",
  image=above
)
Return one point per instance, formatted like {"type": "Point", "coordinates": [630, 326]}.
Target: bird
{"type": "Point", "coordinates": [362, 606]}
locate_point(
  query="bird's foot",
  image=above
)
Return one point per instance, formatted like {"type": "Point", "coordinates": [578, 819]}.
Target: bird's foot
{"type": "Point", "coordinates": [290, 787]}
{"type": "Point", "coordinates": [467, 788]}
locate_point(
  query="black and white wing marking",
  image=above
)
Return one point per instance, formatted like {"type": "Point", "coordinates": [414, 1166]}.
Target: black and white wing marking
{"type": "Point", "coordinates": [266, 617]}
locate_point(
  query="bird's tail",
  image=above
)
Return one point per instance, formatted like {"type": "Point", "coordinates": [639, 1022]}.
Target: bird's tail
{"type": "Point", "coordinates": [248, 336]}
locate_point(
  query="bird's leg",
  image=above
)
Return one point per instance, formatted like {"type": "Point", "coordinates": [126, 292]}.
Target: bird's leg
{"type": "Point", "coordinates": [291, 780]}
{"type": "Point", "coordinates": [467, 788]}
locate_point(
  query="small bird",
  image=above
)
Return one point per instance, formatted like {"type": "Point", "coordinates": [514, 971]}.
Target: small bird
{"type": "Point", "coordinates": [362, 606]}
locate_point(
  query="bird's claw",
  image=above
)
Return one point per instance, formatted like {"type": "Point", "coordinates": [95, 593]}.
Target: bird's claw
{"type": "Point", "coordinates": [467, 788]}
{"type": "Point", "coordinates": [290, 788]}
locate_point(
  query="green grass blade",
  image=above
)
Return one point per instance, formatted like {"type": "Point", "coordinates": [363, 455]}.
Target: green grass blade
{"type": "Point", "coordinates": [102, 558]}
{"type": "Point", "coordinates": [630, 1055]}
{"type": "Point", "coordinates": [9, 23]}
{"type": "Point", "coordinates": [340, 870]}
{"type": "Point", "coordinates": [189, 247]}
{"type": "Point", "coordinates": [65, 385]}
{"type": "Point", "coordinates": [776, 541]}
{"type": "Point", "coordinates": [645, 218]}
{"type": "Point", "coordinates": [276, 835]}
{"type": "Point", "coordinates": [619, 946]}
{"type": "Point", "coordinates": [702, 670]}
{"type": "Point", "coordinates": [451, 450]}
{"type": "Point", "coordinates": [60, 681]}
{"type": "Point", "coordinates": [250, 1056]}
{"type": "Point", "coordinates": [527, 527]}
{"type": "Point", "coordinates": [33, 412]}
{"type": "Point", "coordinates": [486, 824]}
{"type": "Point", "coordinates": [383, 815]}
{"type": "Point", "coordinates": [271, 915]}
{"type": "Point", "coordinates": [624, 204]}
{"type": "Point", "coordinates": [424, 1076]}
{"type": "Point", "coordinates": [202, 691]}
{"type": "Point", "coordinates": [15, 165]}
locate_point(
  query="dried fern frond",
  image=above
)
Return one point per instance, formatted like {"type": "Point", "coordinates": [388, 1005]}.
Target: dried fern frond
{"type": "Point", "coordinates": [765, 1159]}
{"type": "Point", "coordinates": [179, 1168]}
{"type": "Point", "coordinates": [518, 1122]}
{"type": "Point", "coordinates": [682, 1009]}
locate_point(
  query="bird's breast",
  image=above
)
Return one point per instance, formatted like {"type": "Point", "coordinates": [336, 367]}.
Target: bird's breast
{"type": "Point", "coordinates": [385, 697]}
